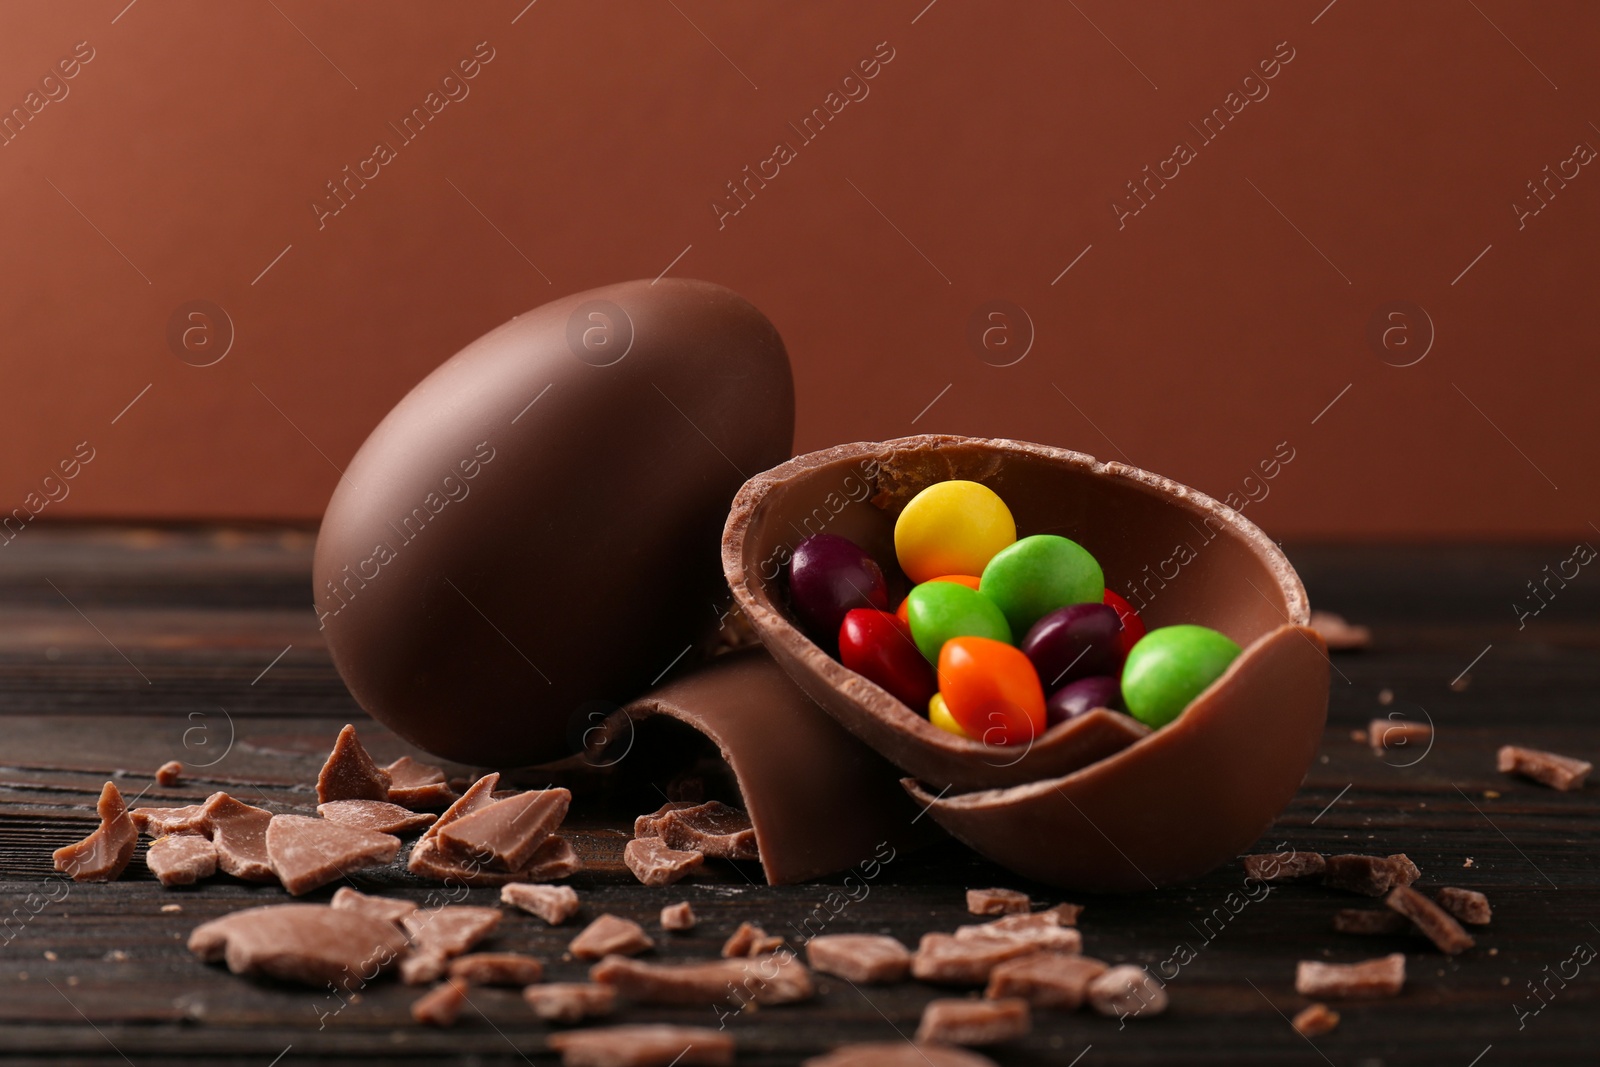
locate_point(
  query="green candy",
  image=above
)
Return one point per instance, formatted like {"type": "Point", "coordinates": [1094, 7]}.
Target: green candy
{"type": "Point", "coordinates": [1169, 667]}
{"type": "Point", "coordinates": [1030, 578]}
{"type": "Point", "coordinates": [938, 611]}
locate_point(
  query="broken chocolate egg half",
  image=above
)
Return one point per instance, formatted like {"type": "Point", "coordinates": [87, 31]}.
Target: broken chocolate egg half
{"type": "Point", "coordinates": [1098, 802]}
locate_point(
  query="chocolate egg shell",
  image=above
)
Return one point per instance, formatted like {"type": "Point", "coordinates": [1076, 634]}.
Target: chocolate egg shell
{"type": "Point", "coordinates": [1177, 554]}
{"type": "Point", "coordinates": [530, 535]}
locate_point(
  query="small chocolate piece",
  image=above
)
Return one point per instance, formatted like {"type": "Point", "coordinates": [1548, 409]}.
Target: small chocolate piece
{"type": "Point", "coordinates": [379, 816]}
{"type": "Point", "coordinates": [181, 859]}
{"type": "Point", "coordinates": [1338, 634]}
{"type": "Point", "coordinates": [554, 859]}
{"type": "Point", "coordinates": [555, 904]}
{"type": "Point", "coordinates": [750, 940]}
{"type": "Point", "coordinates": [776, 979]}
{"type": "Point", "coordinates": [423, 966]}
{"type": "Point", "coordinates": [1370, 876]}
{"type": "Point", "coordinates": [1066, 914]}
{"type": "Point", "coordinates": [306, 853]}
{"type": "Point", "coordinates": [570, 1002]}
{"type": "Point", "coordinates": [1398, 733]}
{"type": "Point", "coordinates": [159, 822]}
{"type": "Point", "coordinates": [865, 959]}
{"type": "Point", "coordinates": [610, 935]}
{"type": "Point", "coordinates": [677, 917]}
{"type": "Point", "coordinates": [654, 863]}
{"type": "Point", "coordinates": [1057, 980]}
{"type": "Point", "coordinates": [946, 960]}
{"type": "Point", "coordinates": [1468, 905]}
{"type": "Point", "coordinates": [997, 902]}
{"type": "Point", "coordinates": [418, 785]}
{"type": "Point", "coordinates": [1405, 872]}
{"type": "Point", "coordinates": [1315, 1020]}
{"type": "Point", "coordinates": [1042, 929]}
{"type": "Point", "coordinates": [308, 943]}
{"type": "Point", "coordinates": [712, 828]}
{"type": "Point", "coordinates": [1439, 926]}
{"type": "Point", "coordinates": [650, 825]}
{"type": "Point", "coordinates": [240, 833]}
{"type": "Point", "coordinates": [974, 1022]}
{"type": "Point", "coordinates": [451, 928]}
{"type": "Point", "coordinates": [478, 795]}
{"type": "Point", "coordinates": [1547, 768]}
{"type": "Point", "coordinates": [169, 773]}
{"type": "Point", "coordinates": [497, 968]}
{"type": "Point", "coordinates": [651, 1045]}
{"type": "Point", "coordinates": [899, 1054]}
{"type": "Point", "coordinates": [104, 854]}
{"type": "Point", "coordinates": [349, 773]}
{"type": "Point", "coordinates": [1127, 992]}
{"type": "Point", "coordinates": [1380, 977]}
{"type": "Point", "coordinates": [1284, 866]}
{"type": "Point", "coordinates": [441, 1005]}
{"type": "Point", "coordinates": [505, 833]}
{"type": "Point", "coordinates": [389, 909]}
{"type": "Point", "coordinates": [1369, 921]}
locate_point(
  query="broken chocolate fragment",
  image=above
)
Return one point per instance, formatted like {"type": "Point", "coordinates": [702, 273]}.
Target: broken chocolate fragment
{"type": "Point", "coordinates": [104, 854]}
{"type": "Point", "coordinates": [159, 822]}
{"type": "Point", "coordinates": [899, 1054]}
{"type": "Point", "coordinates": [712, 828]}
{"type": "Point", "coordinates": [610, 935]}
{"type": "Point", "coordinates": [776, 979]}
{"type": "Point", "coordinates": [569, 1002]}
{"type": "Point", "coordinates": [423, 966]}
{"type": "Point", "coordinates": [652, 1045]}
{"type": "Point", "coordinates": [1045, 979]}
{"type": "Point", "coordinates": [1370, 876]}
{"type": "Point", "coordinates": [677, 917]}
{"type": "Point", "coordinates": [441, 1005]}
{"type": "Point", "coordinates": [1066, 914]}
{"type": "Point", "coordinates": [865, 959]}
{"type": "Point", "coordinates": [497, 968]}
{"type": "Point", "coordinates": [1381, 977]}
{"type": "Point", "coordinates": [650, 825]}
{"type": "Point", "coordinates": [451, 928]}
{"type": "Point", "coordinates": [1127, 992]}
{"type": "Point", "coordinates": [1369, 921]}
{"type": "Point", "coordinates": [169, 773]}
{"type": "Point", "coordinates": [947, 960]}
{"type": "Point", "coordinates": [555, 904]}
{"type": "Point", "coordinates": [997, 902]}
{"type": "Point", "coordinates": [974, 1022]}
{"type": "Point", "coordinates": [239, 831]}
{"type": "Point", "coordinates": [553, 859]}
{"type": "Point", "coordinates": [349, 773]}
{"type": "Point", "coordinates": [1042, 929]}
{"type": "Point", "coordinates": [389, 909]}
{"type": "Point", "coordinates": [1284, 866]}
{"type": "Point", "coordinates": [379, 816]}
{"type": "Point", "coordinates": [1337, 634]}
{"type": "Point", "coordinates": [1438, 925]}
{"type": "Point", "coordinates": [653, 862]}
{"type": "Point", "coordinates": [1398, 733]}
{"type": "Point", "coordinates": [418, 785]}
{"type": "Point", "coordinates": [308, 943]}
{"type": "Point", "coordinates": [478, 795]}
{"type": "Point", "coordinates": [306, 853]}
{"type": "Point", "coordinates": [181, 859]}
{"type": "Point", "coordinates": [1547, 768]}
{"type": "Point", "coordinates": [505, 834]}
{"type": "Point", "coordinates": [1405, 872]}
{"type": "Point", "coordinates": [1315, 1020]}
{"type": "Point", "coordinates": [1468, 905]}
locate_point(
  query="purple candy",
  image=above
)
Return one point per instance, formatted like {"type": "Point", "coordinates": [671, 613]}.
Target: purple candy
{"type": "Point", "coordinates": [1086, 694]}
{"type": "Point", "coordinates": [1074, 642]}
{"type": "Point", "coordinates": [828, 576]}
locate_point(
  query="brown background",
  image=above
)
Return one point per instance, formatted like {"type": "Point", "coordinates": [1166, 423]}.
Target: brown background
{"type": "Point", "coordinates": [1219, 322]}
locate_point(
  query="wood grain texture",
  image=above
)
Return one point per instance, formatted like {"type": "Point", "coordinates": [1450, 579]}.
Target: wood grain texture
{"type": "Point", "coordinates": [157, 657]}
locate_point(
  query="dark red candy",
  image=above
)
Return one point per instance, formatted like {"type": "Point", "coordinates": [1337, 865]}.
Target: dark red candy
{"type": "Point", "coordinates": [828, 576]}
{"type": "Point", "coordinates": [1132, 625]}
{"type": "Point", "coordinates": [1074, 642]}
{"type": "Point", "coordinates": [878, 646]}
{"type": "Point", "coordinates": [1085, 694]}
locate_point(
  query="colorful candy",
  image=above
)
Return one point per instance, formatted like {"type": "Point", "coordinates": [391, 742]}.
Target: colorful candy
{"type": "Point", "coordinates": [991, 690]}
{"type": "Point", "coordinates": [952, 527]}
{"type": "Point", "coordinates": [939, 611]}
{"type": "Point", "coordinates": [1038, 574]}
{"type": "Point", "coordinates": [939, 715]}
{"type": "Point", "coordinates": [1132, 625]}
{"type": "Point", "coordinates": [960, 579]}
{"type": "Point", "coordinates": [828, 576]}
{"type": "Point", "coordinates": [878, 646]}
{"type": "Point", "coordinates": [1074, 642]}
{"type": "Point", "coordinates": [1169, 667]}
{"type": "Point", "coordinates": [1084, 695]}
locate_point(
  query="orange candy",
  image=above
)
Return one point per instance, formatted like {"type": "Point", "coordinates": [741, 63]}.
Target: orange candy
{"type": "Point", "coordinates": [960, 579]}
{"type": "Point", "coordinates": [991, 690]}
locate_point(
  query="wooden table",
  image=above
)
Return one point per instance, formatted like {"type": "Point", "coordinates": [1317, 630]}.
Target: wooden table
{"type": "Point", "coordinates": [123, 648]}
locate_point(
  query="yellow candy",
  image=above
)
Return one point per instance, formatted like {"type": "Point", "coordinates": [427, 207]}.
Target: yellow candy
{"type": "Point", "coordinates": [940, 716]}
{"type": "Point", "coordinates": [952, 527]}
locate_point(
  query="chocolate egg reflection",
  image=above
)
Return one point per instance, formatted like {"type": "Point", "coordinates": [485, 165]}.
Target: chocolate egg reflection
{"type": "Point", "coordinates": [531, 533]}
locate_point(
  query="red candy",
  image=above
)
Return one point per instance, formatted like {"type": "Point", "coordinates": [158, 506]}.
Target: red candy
{"type": "Point", "coordinates": [1132, 625]}
{"type": "Point", "coordinates": [878, 646]}
{"type": "Point", "coordinates": [992, 690]}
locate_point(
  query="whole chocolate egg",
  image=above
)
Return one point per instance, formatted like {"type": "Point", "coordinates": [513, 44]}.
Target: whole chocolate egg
{"type": "Point", "coordinates": [530, 538]}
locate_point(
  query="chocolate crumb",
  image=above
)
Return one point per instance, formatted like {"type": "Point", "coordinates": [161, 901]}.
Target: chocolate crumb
{"type": "Point", "coordinates": [497, 968]}
{"type": "Point", "coordinates": [865, 959]}
{"type": "Point", "coordinates": [610, 935]}
{"type": "Point", "coordinates": [570, 1002]}
{"type": "Point", "coordinates": [776, 979]}
{"type": "Point", "coordinates": [1315, 1020]}
{"type": "Point", "coordinates": [1369, 921]}
{"type": "Point", "coordinates": [678, 917]}
{"type": "Point", "coordinates": [1066, 914]}
{"type": "Point", "coordinates": [1339, 635]}
{"type": "Point", "coordinates": [1468, 905]}
{"type": "Point", "coordinates": [997, 902]}
{"type": "Point", "coordinates": [1398, 733]}
{"type": "Point", "coordinates": [654, 863]}
{"type": "Point", "coordinates": [749, 940]}
{"type": "Point", "coordinates": [652, 1045]}
{"type": "Point", "coordinates": [442, 1004]}
{"type": "Point", "coordinates": [1547, 768]}
{"type": "Point", "coordinates": [171, 907]}
{"type": "Point", "coordinates": [1370, 876]}
{"type": "Point", "coordinates": [1126, 992]}
{"type": "Point", "coordinates": [555, 904]}
{"type": "Point", "coordinates": [104, 854]}
{"type": "Point", "coordinates": [1440, 927]}
{"type": "Point", "coordinates": [1380, 977]}
{"type": "Point", "coordinates": [973, 1022]}
{"type": "Point", "coordinates": [169, 773]}
{"type": "Point", "coordinates": [349, 773]}
{"type": "Point", "coordinates": [181, 859]}
{"type": "Point", "coordinates": [1285, 866]}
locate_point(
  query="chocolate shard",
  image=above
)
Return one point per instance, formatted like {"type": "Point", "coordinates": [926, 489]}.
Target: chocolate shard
{"type": "Point", "coordinates": [169, 773]}
{"type": "Point", "coordinates": [497, 968]}
{"type": "Point", "coordinates": [239, 831]}
{"type": "Point", "coordinates": [570, 1002]}
{"type": "Point", "coordinates": [450, 928]}
{"type": "Point", "coordinates": [1467, 905]}
{"type": "Point", "coordinates": [306, 853]}
{"type": "Point", "coordinates": [1041, 929]}
{"type": "Point", "coordinates": [610, 935]}
{"type": "Point", "coordinates": [865, 959]}
{"type": "Point", "coordinates": [712, 828]}
{"type": "Point", "coordinates": [421, 966]}
{"type": "Point", "coordinates": [1369, 921]}
{"type": "Point", "coordinates": [349, 773]}
{"type": "Point", "coordinates": [1405, 872]}
{"type": "Point", "coordinates": [644, 1045]}
{"type": "Point", "coordinates": [1390, 733]}
{"type": "Point", "coordinates": [556, 858]}
{"type": "Point", "coordinates": [678, 917]}
{"type": "Point", "coordinates": [1127, 992]}
{"type": "Point", "coordinates": [1337, 634]}
{"type": "Point", "coordinates": [1438, 925]}
{"type": "Point", "coordinates": [181, 859]}
{"type": "Point", "coordinates": [388, 909]}
{"type": "Point", "coordinates": [378, 816]}
{"type": "Point", "coordinates": [1315, 1020]}
{"type": "Point", "coordinates": [750, 940]}
{"type": "Point", "coordinates": [555, 904]}
{"type": "Point", "coordinates": [776, 979]}
{"type": "Point", "coordinates": [650, 825]}
{"type": "Point", "coordinates": [476, 796]}
{"type": "Point", "coordinates": [158, 822]}
{"type": "Point", "coordinates": [899, 1054]}
{"type": "Point", "coordinates": [1370, 876]}
{"type": "Point", "coordinates": [308, 943]}
{"type": "Point", "coordinates": [1066, 914]}
{"type": "Point", "coordinates": [974, 1022]}
{"type": "Point", "coordinates": [104, 854]}
{"type": "Point", "coordinates": [1057, 980]}
{"type": "Point", "coordinates": [1547, 768]}
{"type": "Point", "coordinates": [506, 833]}
{"type": "Point", "coordinates": [1285, 866]}
{"type": "Point", "coordinates": [1380, 977]}
{"type": "Point", "coordinates": [944, 959]}
{"type": "Point", "coordinates": [654, 863]}
{"type": "Point", "coordinates": [442, 1004]}
{"type": "Point", "coordinates": [997, 902]}
{"type": "Point", "coordinates": [418, 786]}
